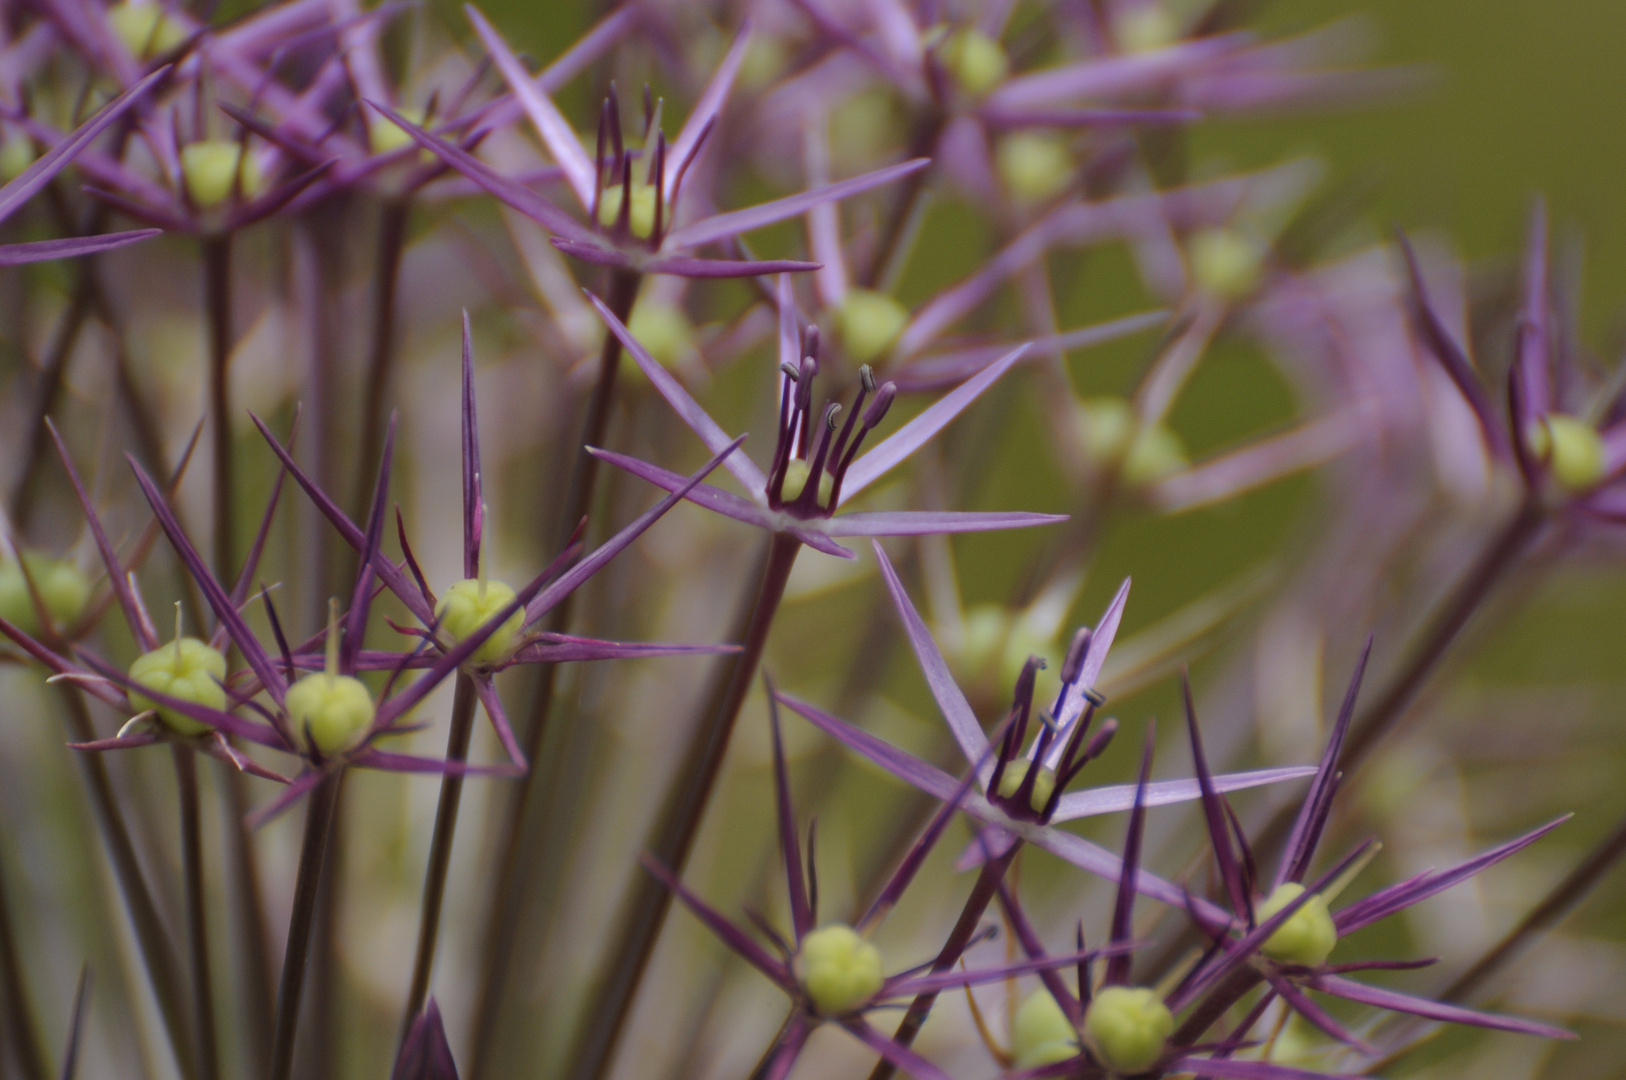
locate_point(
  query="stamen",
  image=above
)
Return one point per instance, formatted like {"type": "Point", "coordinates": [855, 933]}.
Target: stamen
{"type": "Point", "coordinates": [791, 373]}
{"type": "Point", "coordinates": [652, 139]}
{"type": "Point", "coordinates": [615, 130]}
{"type": "Point", "coordinates": [872, 416]}
{"type": "Point", "coordinates": [830, 413]}
{"type": "Point", "coordinates": [866, 375]}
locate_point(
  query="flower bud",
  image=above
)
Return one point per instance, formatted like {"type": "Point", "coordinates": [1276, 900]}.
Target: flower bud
{"type": "Point", "coordinates": [1113, 434]}
{"type": "Point", "coordinates": [1308, 935]}
{"type": "Point", "coordinates": [146, 29]}
{"type": "Point", "coordinates": [664, 331]}
{"type": "Point", "coordinates": [976, 61]}
{"type": "Point", "coordinates": [215, 168]}
{"type": "Point", "coordinates": [1034, 166]}
{"type": "Point", "coordinates": [469, 605]}
{"type": "Point", "coordinates": [1044, 784]}
{"type": "Point", "coordinates": [331, 712]}
{"type": "Point", "coordinates": [62, 587]}
{"type": "Point", "coordinates": [641, 219]}
{"type": "Point", "coordinates": [796, 474]}
{"type": "Point", "coordinates": [1572, 449]}
{"type": "Point", "coordinates": [839, 971]}
{"type": "Point", "coordinates": [869, 323]}
{"type": "Point", "coordinates": [1041, 1034]}
{"type": "Point", "coordinates": [1226, 263]}
{"type": "Point", "coordinates": [1127, 1028]}
{"type": "Point", "coordinates": [186, 668]}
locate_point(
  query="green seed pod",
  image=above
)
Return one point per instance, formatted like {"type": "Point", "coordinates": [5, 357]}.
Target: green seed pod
{"type": "Point", "coordinates": [1225, 263]}
{"type": "Point", "coordinates": [1111, 433]}
{"type": "Point", "coordinates": [186, 668]}
{"type": "Point", "coordinates": [664, 331]}
{"type": "Point", "coordinates": [1572, 449]}
{"type": "Point", "coordinates": [869, 323]}
{"type": "Point", "coordinates": [472, 603]}
{"type": "Point", "coordinates": [1308, 935]}
{"type": "Point", "coordinates": [1034, 166]}
{"type": "Point", "coordinates": [146, 29]}
{"type": "Point", "coordinates": [1041, 1034]}
{"type": "Point", "coordinates": [975, 61]}
{"type": "Point", "coordinates": [62, 586]}
{"type": "Point", "coordinates": [215, 168]}
{"type": "Point", "coordinates": [641, 220]}
{"type": "Point", "coordinates": [1127, 1028]}
{"type": "Point", "coordinates": [1010, 782]}
{"type": "Point", "coordinates": [839, 971]}
{"type": "Point", "coordinates": [796, 473]}
{"type": "Point", "coordinates": [331, 711]}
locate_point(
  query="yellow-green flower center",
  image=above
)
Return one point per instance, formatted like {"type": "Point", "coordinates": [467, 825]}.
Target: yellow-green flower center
{"type": "Point", "coordinates": [1128, 1027]}
{"type": "Point", "coordinates": [187, 669]}
{"type": "Point", "coordinates": [1225, 263]}
{"type": "Point", "coordinates": [1041, 1034]}
{"type": "Point", "coordinates": [1034, 166]}
{"type": "Point", "coordinates": [640, 219]}
{"type": "Point", "coordinates": [839, 971]}
{"type": "Point", "coordinates": [469, 605]}
{"type": "Point", "coordinates": [869, 323]}
{"type": "Point", "coordinates": [1044, 784]}
{"type": "Point", "coordinates": [146, 29]}
{"type": "Point", "coordinates": [796, 474]}
{"type": "Point", "coordinates": [1112, 433]}
{"type": "Point", "coordinates": [215, 168]}
{"type": "Point", "coordinates": [1308, 935]}
{"type": "Point", "coordinates": [331, 712]}
{"type": "Point", "coordinates": [976, 61]}
{"type": "Point", "coordinates": [61, 586]}
{"type": "Point", "coordinates": [1572, 449]}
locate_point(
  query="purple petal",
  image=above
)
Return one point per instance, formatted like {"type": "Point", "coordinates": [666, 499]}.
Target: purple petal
{"type": "Point", "coordinates": [119, 742]}
{"type": "Point", "coordinates": [1214, 813]}
{"type": "Point", "coordinates": [1351, 990]}
{"type": "Point", "coordinates": [732, 936]}
{"type": "Point", "coordinates": [1123, 908]}
{"type": "Point", "coordinates": [559, 649]}
{"type": "Point", "coordinates": [1302, 447]}
{"type": "Point", "coordinates": [931, 984]}
{"type": "Point", "coordinates": [897, 1054]}
{"type": "Point", "coordinates": [790, 846]}
{"type": "Point", "coordinates": [594, 251]}
{"type": "Point", "coordinates": [425, 1053]}
{"type": "Point", "coordinates": [1301, 842]}
{"type": "Point", "coordinates": [931, 372]}
{"type": "Point", "coordinates": [932, 522]}
{"type": "Point", "coordinates": [549, 122]}
{"type": "Point", "coordinates": [722, 226]}
{"type": "Point", "coordinates": [110, 559]}
{"type": "Point", "coordinates": [956, 710]}
{"type": "Point", "coordinates": [913, 435]}
{"type": "Point", "coordinates": [689, 411]}
{"type": "Point", "coordinates": [1386, 902]}
{"type": "Point", "coordinates": [1072, 707]}
{"type": "Point", "coordinates": [486, 691]}
{"type": "Point", "coordinates": [290, 795]}
{"type": "Point", "coordinates": [683, 266]}
{"type": "Point", "coordinates": [1318, 1016]}
{"type": "Point", "coordinates": [70, 247]}
{"type": "Point", "coordinates": [1110, 76]}
{"type": "Point", "coordinates": [53, 161]}
{"type": "Point", "coordinates": [521, 198]}
{"type": "Point", "coordinates": [1119, 797]}
{"type": "Point", "coordinates": [705, 112]}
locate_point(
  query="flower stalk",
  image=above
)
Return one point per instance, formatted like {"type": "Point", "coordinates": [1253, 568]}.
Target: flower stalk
{"type": "Point", "coordinates": [312, 854]}
{"type": "Point", "coordinates": [197, 921]}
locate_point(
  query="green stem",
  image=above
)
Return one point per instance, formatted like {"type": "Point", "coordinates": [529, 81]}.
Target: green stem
{"type": "Point", "coordinates": [982, 893]}
{"type": "Point", "coordinates": [254, 941]}
{"type": "Point", "coordinates": [516, 847]}
{"type": "Point", "coordinates": [440, 848]}
{"type": "Point", "coordinates": [678, 820]}
{"type": "Point", "coordinates": [217, 309]}
{"type": "Point", "coordinates": [157, 951]}
{"type": "Point", "coordinates": [197, 922]}
{"type": "Point", "coordinates": [312, 854]}
{"type": "Point", "coordinates": [22, 1029]}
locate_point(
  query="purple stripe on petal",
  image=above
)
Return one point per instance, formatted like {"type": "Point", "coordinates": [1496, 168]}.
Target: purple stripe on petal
{"type": "Point", "coordinates": [933, 522]}
{"type": "Point", "coordinates": [912, 436]}
{"type": "Point", "coordinates": [1350, 990]}
{"type": "Point", "coordinates": [723, 226]}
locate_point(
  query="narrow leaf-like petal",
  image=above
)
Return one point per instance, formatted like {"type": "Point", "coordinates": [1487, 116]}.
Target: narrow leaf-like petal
{"type": "Point", "coordinates": [732, 936]}
{"type": "Point", "coordinates": [723, 226]}
{"type": "Point", "coordinates": [1120, 797]}
{"type": "Point", "coordinates": [705, 113]}
{"type": "Point", "coordinates": [933, 522]}
{"type": "Point", "coordinates": [70, 247]}
{"type": "Point", "coordinates": [1382, 998]}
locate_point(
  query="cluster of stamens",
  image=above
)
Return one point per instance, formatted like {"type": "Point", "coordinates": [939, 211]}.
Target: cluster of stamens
{"type": "Point", "coordinates": [808, 466]}
{"type": "Point", "coordinates": [1029, 789]}
{"type": "Point", "coordinates": [625, 203]}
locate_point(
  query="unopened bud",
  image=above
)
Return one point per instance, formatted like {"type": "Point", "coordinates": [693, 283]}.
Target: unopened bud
{"type": "Point", "coordinates": [1034, 166]}
{"type": "Point", "coordinates": [1307, 936]}
{"type": "Point", "coordinates": [330, 711]}
{"type": "Point", "coordinates": [469, 605]}
{"type": "Point", "coordinates": [641, 218]}
{"type": "Point", "coordinates": [1044, 784]}
{"type": "Point", "coordinates": [187, 669]}
{"type": "Point", "coordinates": [63, 589]}
{"type": "Point", "coordinates": [869, 324]}
{"type": "Point", "coordinates": [1128, 1027]}
{"type": "Point", "coordinates": [976, 61]}
{"type": "Point", "coordinates": [1572, 449]}
{"type": "Point", "coordinates": [1226, 263]}
{"type": "Point", "coordinates": [839, 971]}
{"type": "Point", "coordinates": [664, 331]}
{"type": "Point", "coordinates": [145, 29]}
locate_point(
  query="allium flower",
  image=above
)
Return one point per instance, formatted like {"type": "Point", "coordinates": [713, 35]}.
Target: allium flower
{"type": "Point", "coordinates": [632, 202]}
{"type": "Point", "coordinates": [831, 972]}
{"type": "Point", "coordinates": [1025, 792]}
{"type": "Point", "coordinates": [1284, 935]}
{"type": "Point", "coordinates": [469, 605]}
{"type": "Point", "coordinates": [816, 468]}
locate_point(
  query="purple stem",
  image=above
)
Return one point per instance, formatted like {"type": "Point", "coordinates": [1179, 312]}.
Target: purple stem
{"type": "Point", "coordinates": [678, 821]}
{"type": "Point", "coordinates": [197, 920]}
{"type": "Point", "coordinates": [217, 309]}
{"type": "Point", "coordinates": [313, 852]}
{"type": "Point", "coordinates": [251, 932]}
{"type": "Point", "coordinates": [392, 227]}
{"type": "Point", "coordinates": [983, 892]}
{"type": "Point", "coordinates": [440, 848]}
{"type": "Point", "coordinates": [21, 1027]}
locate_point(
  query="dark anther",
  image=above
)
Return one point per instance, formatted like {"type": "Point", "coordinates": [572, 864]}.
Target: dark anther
{"type": "Point", "coordinates": [866, 375]}
{"type": "Point", "coordinates": [830, 415]}
{"type": "Point", "coordinates": [1076, 649]}
{"type": "Point", "coordinates": [792, 372]}
{"type": "Point", "coordinates": [1095, 697]}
